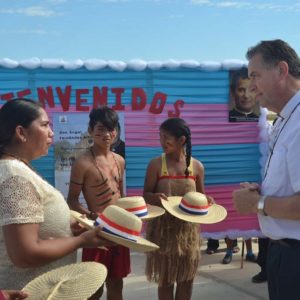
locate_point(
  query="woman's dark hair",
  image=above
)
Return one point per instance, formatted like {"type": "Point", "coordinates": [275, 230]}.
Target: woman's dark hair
{"type": "Point", "coordinates": [13, 113]}
{"type": "Point", "coordinates": [178, 127]}
{"type": "Point", "coordinates": [107, 116]}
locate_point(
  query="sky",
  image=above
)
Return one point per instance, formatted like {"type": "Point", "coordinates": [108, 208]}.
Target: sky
{"type": "Point", "coordinates": [201, 30]}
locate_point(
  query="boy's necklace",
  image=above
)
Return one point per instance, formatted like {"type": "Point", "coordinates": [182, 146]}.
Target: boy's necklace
{"type": "Point", "coordinates": [99, 171]}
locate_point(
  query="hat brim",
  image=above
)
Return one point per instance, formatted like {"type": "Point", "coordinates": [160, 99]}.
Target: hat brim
{"type": "Point", "coordinates": [153, 212]}
{"type": "Point", "coordinates": [140, 245]}
{"type": "Point", "coordinates": [216, 213]}
{"type": "Point", "coordinates": [75, 281]}
{"type": "Point", "coordinates": [81, 219]}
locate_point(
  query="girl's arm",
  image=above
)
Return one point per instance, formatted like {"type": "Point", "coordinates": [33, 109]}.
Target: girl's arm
{"type": "Point", "coordinates": [200, 181]}
{"type": "Point", "coordinates": [199, 173]}
{"type": "Point", "coordinates": [151, 178]}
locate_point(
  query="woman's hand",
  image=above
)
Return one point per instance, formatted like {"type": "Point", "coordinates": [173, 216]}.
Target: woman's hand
{"type": "Point", "coordinates": [13, 295]}
{"type": "Point", "coordinates": [76, 228]}
{"type": "Point", "coordinates": [92, 238]}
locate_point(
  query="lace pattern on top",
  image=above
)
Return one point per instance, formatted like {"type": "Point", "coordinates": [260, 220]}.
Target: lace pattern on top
{"type": "Point", "coordinates": [19, 202]}
{"type": "Point", "coordinates": [26, 198]}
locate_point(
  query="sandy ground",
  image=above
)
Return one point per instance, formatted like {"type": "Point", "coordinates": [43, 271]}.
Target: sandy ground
{"type": "Point", "coordinates": [214, 280]}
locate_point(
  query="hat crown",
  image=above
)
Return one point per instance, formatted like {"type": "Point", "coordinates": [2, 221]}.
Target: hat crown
{"type": "Point", "coordinates": [122, 218]}
{"type": "Point", "coordinates": [195, 198]}
{"type": "Point", "coordinates": [130, 202]}
{"type": "Point", "coordinates": [134, 204]}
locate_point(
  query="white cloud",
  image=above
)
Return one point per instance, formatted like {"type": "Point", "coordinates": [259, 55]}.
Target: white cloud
{"type": "Point", "coordinates": [179, 16]}
{"type": "Point", "coordinates": [201, 2]}
{"type": "Point", "coordinates": [112, 1]}
{"type": "Point", "coordinates": [24, 31]}
{"type": "Point", "coordinates": [57, 1]}
{"type": "Point", "coordinates": [233, 4]}
{"type": "Point", "coordinates": [31, 11]}
{"type": "Point", "coordinates": [31, 31]}
{"type": "Point", "coordinates": [248, 5]}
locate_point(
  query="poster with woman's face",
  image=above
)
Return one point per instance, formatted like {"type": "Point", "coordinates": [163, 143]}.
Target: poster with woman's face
{"type": "Point", "coordinates": [243, 106]}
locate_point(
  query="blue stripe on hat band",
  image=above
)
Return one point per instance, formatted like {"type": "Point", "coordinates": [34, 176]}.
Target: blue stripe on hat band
{"type": "Point", "coordinates": [142, 214]}
{"type": "Point", "coordinates": [198, 213]}
{"type": "Point", "coordinates": [113, 233]}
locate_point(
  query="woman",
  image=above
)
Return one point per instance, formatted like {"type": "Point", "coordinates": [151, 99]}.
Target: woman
{"type": "Point", "coordinates": [36, 234]}
{"type": "Point", "coordinates": [173, 174]}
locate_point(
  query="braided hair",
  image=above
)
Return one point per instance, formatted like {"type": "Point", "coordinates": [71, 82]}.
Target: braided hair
{"type": "Point", "coordinates": [177, 127]}
{"type": "Point", "coordinates": [13, 113]}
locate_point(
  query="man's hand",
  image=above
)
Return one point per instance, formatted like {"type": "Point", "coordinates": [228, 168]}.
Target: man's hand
{"type": "Point", "coordinates": [251, 186]}
{"type": "Point", "coordinates": [245, 200]}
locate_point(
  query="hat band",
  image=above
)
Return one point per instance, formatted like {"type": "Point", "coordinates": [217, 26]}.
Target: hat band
{"type": "Point", "coordinates": [111, 227]}
{"type": "Point", "coordinates": [193, 209]}
{"type": "Point", "coordinates": [139, 211]}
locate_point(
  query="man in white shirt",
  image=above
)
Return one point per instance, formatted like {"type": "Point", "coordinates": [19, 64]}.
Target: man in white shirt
{"type": "Point", "coordinates": [274, 71]}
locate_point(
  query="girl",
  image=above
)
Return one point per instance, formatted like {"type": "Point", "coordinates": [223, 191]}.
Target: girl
{"type": "Point", "coordinates": [173, 174]}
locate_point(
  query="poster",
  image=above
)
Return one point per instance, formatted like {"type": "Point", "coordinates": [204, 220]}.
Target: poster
{"type": "Point", "coordinates": [243, 106]}
{"type": "Point", "coordinates": [71, 139]}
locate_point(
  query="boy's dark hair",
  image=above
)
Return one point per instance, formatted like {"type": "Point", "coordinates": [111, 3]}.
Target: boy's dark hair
{"type": "Point", "coordinates": [19, 111]}
{"type": "Point", "coordinates": [274, 51]}
{"type": "Point", "coordinates": [177, 127]}
{"type": "Point", "coordinates": [107, 116]}
{"type": "Point", "coordinates": [237, 75]}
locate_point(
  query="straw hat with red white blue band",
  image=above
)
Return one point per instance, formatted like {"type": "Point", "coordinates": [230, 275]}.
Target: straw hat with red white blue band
{"type": "Point", "coordinates": [138, 206]}
{"type": "Point", "coordinates": [194, 207]}
{"type": "Point", "coordinates": [77, 281]}
{"type": "Point", "coordinates": [119, 226]}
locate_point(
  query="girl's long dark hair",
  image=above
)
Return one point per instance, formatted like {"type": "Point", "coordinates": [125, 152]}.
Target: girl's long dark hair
{"type": "Point", "coordinates": [177, 127]}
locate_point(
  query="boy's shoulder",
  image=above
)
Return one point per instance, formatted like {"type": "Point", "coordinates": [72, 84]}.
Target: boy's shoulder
{"type": "Point", "coordinates": [83, 159]}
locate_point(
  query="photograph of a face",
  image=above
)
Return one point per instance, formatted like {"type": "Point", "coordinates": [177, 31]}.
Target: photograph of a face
{"type": "Point", "coordinates": [243, 106]}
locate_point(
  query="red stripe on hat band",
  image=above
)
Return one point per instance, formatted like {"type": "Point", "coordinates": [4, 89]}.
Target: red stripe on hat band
{"type": "Point", "coordinates": [117, 226]}
{"type": "Point", "coordinates": [194, 206]}
{"type": "Point", "coordinates": [137, 208]}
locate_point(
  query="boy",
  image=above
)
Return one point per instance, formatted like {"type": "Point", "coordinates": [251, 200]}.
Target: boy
{"type": "Point", "coordinates": [98, 174]}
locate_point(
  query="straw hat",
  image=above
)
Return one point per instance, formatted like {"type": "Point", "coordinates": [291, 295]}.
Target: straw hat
{"type": "Point", "coordinates": [77, 281]}
{"type": "Point", "coordinates": [194, 207]}
{"type": "Point", "coordinates": [119, 226]}
{"type": "Point", "coordinates": [138, 206]}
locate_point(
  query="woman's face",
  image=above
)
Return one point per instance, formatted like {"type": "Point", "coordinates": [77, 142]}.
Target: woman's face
{"type": "Point", "coordinates": [168, 142]}
{"type": "Point", "coordinates": [39, 135]}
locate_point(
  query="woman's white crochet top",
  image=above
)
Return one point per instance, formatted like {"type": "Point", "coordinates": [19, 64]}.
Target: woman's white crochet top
{"type": "Point", "coordinates": [26, 198]}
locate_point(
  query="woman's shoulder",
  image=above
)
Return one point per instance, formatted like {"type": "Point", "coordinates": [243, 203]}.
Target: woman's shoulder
{"type": "Point", "coordinates": [13, 168]}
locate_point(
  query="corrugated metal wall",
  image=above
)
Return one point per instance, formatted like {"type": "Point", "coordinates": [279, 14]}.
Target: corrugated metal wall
{"type": "Point", "coordinates": [229, 151]}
